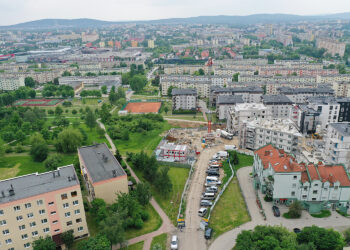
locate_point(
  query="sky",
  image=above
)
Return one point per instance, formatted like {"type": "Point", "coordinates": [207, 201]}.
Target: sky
{"type": "Point", "coordinates": [17, 11]}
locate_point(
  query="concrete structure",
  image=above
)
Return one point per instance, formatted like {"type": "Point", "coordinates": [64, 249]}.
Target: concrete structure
{"type": "Point", "coordinates": [11, 83]}
{"type": "Point", "coordinates": [333, 78]}
{"type": "Point", "coordinates": [259, 78]}
{"type": "Point", "coordinates": [250, 94]}
{"type": "Point", "coordinates": [150, 44]}
{"type": "Point", "coordinates": [91, 82]}
{"type": "Point", "coordinates": [170, 69]}
{"type": "Point", "coordinates": [272, 71]}
{"type": "Point", "coordinates": [224, 102]}
{"type": "Point", "coordinates": [40, 205]}
{"type": "Point", "coordinates": [337, 148]}
{"type": "Point", "coordinates": [344, 112]}
{"type": "Point", "coordinates": [185, 99]}
{"type": "Point", "coordinates": [333, 47]}
{"type": "Point", "coordinates": [282, 133]}
{"type": "Point", "coordinates": [243, 113]}
{"type": "Point", "coordinates": [171, 152]}
{"type": "Point", "coordinates": [280, 105]}
{"type": "Point", "coordinates": [317, 187]}
{"type": "Point", "coordinates": [305, 118]}
{"type": "Point", "coordinates": [103, 175]}
{"type": "Point", "coordinates": [300, 95]}
{"type": "Point", "coordinates": [341, 89]}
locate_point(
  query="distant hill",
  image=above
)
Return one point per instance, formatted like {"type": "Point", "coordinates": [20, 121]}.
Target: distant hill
{"type": "Point", "coordinates": [236, 20]}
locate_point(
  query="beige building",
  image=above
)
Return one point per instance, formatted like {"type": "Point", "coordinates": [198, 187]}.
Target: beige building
{"type": "Point", "coordinates": [341, 89]}
{"type": "Point", "coordinates": [150, 44]}
{"type": "Point", "coordinates": [104, 177]}
{"type": "Point", "coordinates": [11, 83]}
{"type": "Point", "coordinates": [40, 205]}
{"type": "Point", "coordinates": [333, 47]}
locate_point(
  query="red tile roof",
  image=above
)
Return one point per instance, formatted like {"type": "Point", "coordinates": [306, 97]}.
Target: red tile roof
{"type": "Point", "coordinates": [333, 174]}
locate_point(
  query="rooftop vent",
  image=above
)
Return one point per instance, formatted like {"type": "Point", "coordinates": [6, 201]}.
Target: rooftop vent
{"type": "Point", "coordinates": [285, 167]}
{"type": "Point", "coordinates": [2, 194]}
{"type": "Point", "coordinates": [104, 157]}
{"type": "Point", "coordinates": [114, 173]}
{"type": "Point", "coordinates": [11, 191]}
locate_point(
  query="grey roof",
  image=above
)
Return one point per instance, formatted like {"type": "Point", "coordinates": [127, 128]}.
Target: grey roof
{"type": "Point", "coordinates": [320, 90]}
{"type": "Point", "coordinates": [35, 184]}
{"type": "Point", "coordinates": [343, 99]}
{"type": "Point", "coordinates": [250, 89]}
{"type": "Point", "coordinates": [308, 110]}
{"type": "Point", "coordinates": [342, 127]}
{"type": "Point", "coordinates": [100, 162]}
{"type": "Point", "coordinates": [271, 99]}
{"type": "Point", "coordinates": [229, 99]}
{"type": "Point", "coordinates": [322, 100]}
{"type": "Point", "coordinates": [184, 92]}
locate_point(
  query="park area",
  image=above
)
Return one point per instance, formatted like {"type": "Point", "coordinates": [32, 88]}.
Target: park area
{"type": "Point", "coordinates": [143, 107]}
{"type": "Point", "coordinates": [37, 102]}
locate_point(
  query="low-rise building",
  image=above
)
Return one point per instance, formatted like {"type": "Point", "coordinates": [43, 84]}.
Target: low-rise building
{"type": "Point", "coordinates": [280, 105]}
{"type": "Point", "coordinates": [282, 133]}
{"type": "Point", "coordinates": [337, 147]}
{"type": "Point", "coordinates": [224, 102]}
{"type": "Point", "coordinates": [40, 205]}
{"type": "Point", "coordinates": [171, 152]}
{"type": "Point", "coordinates": [11, 83]}
{"type": "Point", "coordinates": [103, 175]}
{"type": "Point", "coordinates": [185, 99]}
{"type": "Point", "coordinates": [317, 187]}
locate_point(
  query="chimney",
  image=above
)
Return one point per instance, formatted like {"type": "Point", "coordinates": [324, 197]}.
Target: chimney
{"type": "Point", "coordinates": [267, 152]}
{"type": "Point", "coordinates": [58, 173]}
{"type": "Point", "coordinates": [114, 173]}
{"type": "Point", "coordinates": [69, 179]}
{"type": "Point", "coordinates": [2, 194]}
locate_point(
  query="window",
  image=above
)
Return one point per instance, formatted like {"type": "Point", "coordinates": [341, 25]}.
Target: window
{"type": "Point", "coordinates": [27, 245]}
{"type": "Point", "coordinates": [74, 193]}
{"type": "Point", "coordinates": [305, 188]}
{"type": "Point", "coordinates": [69, 223]}
{"type": "Point", "coordinates": [5, 232]}
{"type": "Point", "coordinates": [314, 192]}
{"type": "Point", "coordinates": [53, 212]}
{"type": "Point", "coordinates": [295, 177]}
{"type": "Point", "coordinates": [1, 212]}
{"type": "Point", "coordinates": [75, 203]}
{"type": "Point", "coordinates": [46, 230]}
{"type": "Point", "coordinates": [57, 230]}
{"type": "Point", "coordinates": [39, 202]}
{"type": "Point", "coordinates": [22, 227]}
{"type": "Point", "coordinates": [77, 211]}
{"type": "Point", "coordinates": [30, 215]}
{"type": "Point", "coordinates": [80, 229]}
{"type": "Point", "coordinates": [325, 189]}
{"type": "Point", "coordinates": [64, 196]}
{"type": "Point", "coordinates": [28, 205]}
{"type": "Point", "coordinates": [20, 217]}
{"type": "Point", "coordinates": [32, 224]}
{"type": "Point", "coordinates": [316, 185]}
{"type": "Point", "coordinates": [17, 208]}
{"type": "Point", "coordinates": [35, 233]}
{"type": "Point", "coordinates": [65, 205]}
{"type": "Point", "coordinates": [51, 203]}
{"type": "Point", "coordinates": [43, 221]}
{"type": "Point", "coordinates": [78, 220]}
{"type": "Point", "coordinates": [24, 236]}
{"type": "Point", "coordinates": [2, 222]}
{"type": "Point", "coordinates": [294, 185]}
{"type": "Point", "coordinates": [304, 196]}
{"type": "Point", "coordinates": [55, 222]}
{"type": "Point", "coordinates": [42, 211]}
{"type": "Point", "coordinates": [313, 199]}
{"type": "Point", "coordinates": [8, 241]}
{"type": "Point", "coordinates": [67, 214]}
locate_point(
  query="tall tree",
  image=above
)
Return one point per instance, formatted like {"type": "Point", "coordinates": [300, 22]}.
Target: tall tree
{"type": "Point", "coordinates": [90, 120]}
{"type": "Point", "coordinates": [99, 242]}
{"type": "Point", "coordinates": [163, 182]}
{"type": "Point", "coordinates": [29, 82]}
{"type": "Point", "coordinates": [44, 244]}
{"type": "Point", "coordinates": [142, 192]}
{"type": "Point", "coordinates": [68, 140]}
{"type": "Point", "coordinates": [113, 228]}
{"type": "Point", "coordinates": [68, 238]}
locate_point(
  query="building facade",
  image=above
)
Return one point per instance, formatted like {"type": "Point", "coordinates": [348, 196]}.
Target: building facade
{"type": "Point", "coordinates": [280, 105]}
{"type": "Point", "coordinates": [11, 83]}
{"type": "Point", "coordinates": [184, 99]}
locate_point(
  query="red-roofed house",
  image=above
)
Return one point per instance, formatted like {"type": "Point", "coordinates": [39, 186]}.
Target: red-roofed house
{"type": "Point", "coordinates": [318, 187]}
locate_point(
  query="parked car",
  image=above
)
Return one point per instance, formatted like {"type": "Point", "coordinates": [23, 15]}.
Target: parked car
{"type": "Point", "coordinates": [202, 211]}
{"type": "Point", "coordinates": [213, 173]}
{"type": "Point", "coordinates": [296, 230]}
{"type": "Point", "coordinates": [208, 196]}
{"type": "Point", "coordinates": [212, 183]}
{"type": "Point", "coordinates": [174, 244]}
{"type": "Point", "coordinates": [276, 211]}
{"type": "Point", "coordinates": [206, 203]}
{"type": "Point", "coordinates": [208, 233]}
{"type": "Point", "coordinates": [211, 189]}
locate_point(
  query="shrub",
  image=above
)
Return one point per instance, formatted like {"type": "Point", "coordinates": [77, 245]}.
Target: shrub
{"type": "Point", "coordinates": [74, 112]}
{"type": "Point", "coordinates": [138, 223]}
{"type": "Point", "coordinates": [50, 112]}
{"type": "Point", "coordinates": [19, 149]}
{"type": "Point", "coordinates": [53, 161]}
{"type": "Point", "coordinates": [8, 149]}
{"type": "Point", "coordinates": [39, 152]}
{"type": "Point", "coordinates": [144, 215]}
{"type": "Point", "coordinates": [295, 209]}
{"type": "Point", "coordinates": [268, 198]}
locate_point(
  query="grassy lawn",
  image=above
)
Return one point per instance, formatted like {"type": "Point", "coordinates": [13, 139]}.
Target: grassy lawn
{"type": "Point", "coordinates": [170, 205]}
{"type": "Point", "coordinates": [11, 166]}
{"type": "Point", "coordinates": [230, 211]}
{"type": "Point", "coordinates": [136, 246]}
{"type": "Point", "coordinates": [244, 160]}
{"type": "Point", "coordinates": [154, 222]}
{"type": "Point", "coordinates": [138, 141]}
{"type": "Point", "coordinates": [160, 240]}
{"type": "Point", "coordinates": [198, 117]}
{"type": "Point", "coordinates": [323, 214]}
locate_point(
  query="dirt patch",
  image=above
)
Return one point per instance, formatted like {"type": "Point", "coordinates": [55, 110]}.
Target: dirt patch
{"type": "Point", "coordinates": [6, 173]}
{"type": "Point", "coordinates": [143, 107]}
{"type": "Point", "coordinates": [180, 124]}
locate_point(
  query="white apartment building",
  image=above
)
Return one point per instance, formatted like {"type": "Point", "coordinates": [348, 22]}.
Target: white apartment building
{"type": "Point", "coordinates": [332, 47]}
{"type": "Point", "coordinates": [258, 78]}
{"type": "Point", "coordinates": [341, 89]}
{"type": "Point", "coordinates": [282, 133]}
{"type": "Point", "coordinates": [333, 78]}
{"type": "Point", "coordinates": [328, 108]}
{"type": "Point", "coordinates": [337, 148]}
{"type": "Point", "coordinates": [251, 94]}
{"type": "Point", "coordinates": [245, 112]}
{"type": "Point", "coordinates": [300, 95]}
{"type": "Point", "coordinates": [232, 71]}
{"type": "Point", "coordinates": [185, 99]}
{"type": "Point", "coordinates": [280, 105]}
{"type": "Point", "coordinates": [170, 69]}
{"type": "Point", "coordinates": [11, 83]}
{"type": "Point", "coordinates": [224, 103]}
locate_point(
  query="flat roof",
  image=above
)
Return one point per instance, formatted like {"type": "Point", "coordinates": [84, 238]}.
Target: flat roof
{"type": "Point", "coordinates": [275, 99]}
{"type": "Point", "coordinates": [100, 162]}
{"type": "Point", "coordinates": [342, 127]}
{"type": "Point", "coordinates": [35, 184]}
{"type": "Point", "coordinates": [229, 99]}
{"type": "Point", "coordinates": [184, 92]}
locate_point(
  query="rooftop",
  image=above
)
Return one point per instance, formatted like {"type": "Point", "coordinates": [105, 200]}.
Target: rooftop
{"type": "Point", "coordinates": [320, 89]}
{"type": "Point", "coordinates": [272, 99]}
{"type": "Point", "coordinates": [251, 89]}
{"type": "Point", "coordinates": [325, 100]}
{"type": "Point", "coordinates": [184, 92]}
{"type": "Point", "coordinates": [280, 125]}
{"type": "Point", "coordinates": [250, 106]}
{"type": "Point", "coordinates": [100, 162]}
{"type": "Point", "coordinates": [342, 127]}
{"type": "Point", "coordinates": [229, 99]}
{"type": "Point", "coordinates": [35, 184]}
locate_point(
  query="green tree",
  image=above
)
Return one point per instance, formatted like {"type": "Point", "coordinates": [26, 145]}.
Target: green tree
{"type": "Point", "coordinates": [53, 162]}
{"type": "Point", "coordinates": [163, 181]}
{"type": "Point", "coordinates": [36, 138]}
{"type": "Point", "coordinates": [295, 209]}
{"type": "Point", "coordinates": [39, 151]}
{"type": "Point", "coordinates": [104, 89]}
{"type": "Point", "coordinates": [90, 120]}
{"type": "Point", "coordinates": [235, 77]}
{"type": "Point", "coordinates": [44, 244]}
{"type": "Point", "coordinates": [66, 73]}
{"type": "Point", "coordinates": [99, 242]}
{"type": "Point", "coordinates": [68, 238]}
{"type": "Point", "coordinates": [113, 228]}
{"type": "Point", "coordinates": [29, 82]}
{"type": "Point", "coordinates": [142, 193]}
{"type": "Point", "coordinates": [166, 109]}
{"type": "Point", "coordinates": [20, 136]}
{"type": "Point", "coordinates": [201, 72]}
{"type": "Point", "coordinates": [58, 111]}
{"type": "Point", "coordinates": [68, 140]}
{"type": "Point", "coordinates": [138, 82]}
{"type": "Point", "coordinates": [170, 89]}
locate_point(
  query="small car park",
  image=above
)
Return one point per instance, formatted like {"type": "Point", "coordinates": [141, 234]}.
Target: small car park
{"type": "Point", "coordinates": [174, 244]}
{"type": "Point", "coordinates": [276, 211]}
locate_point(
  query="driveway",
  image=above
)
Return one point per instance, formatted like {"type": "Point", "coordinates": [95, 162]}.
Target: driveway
{"type": "Point", "coordinates": [228, 239]}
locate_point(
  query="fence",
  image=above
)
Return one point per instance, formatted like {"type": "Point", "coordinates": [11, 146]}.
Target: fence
{"type": "Point", "coordinates": [223, 189]}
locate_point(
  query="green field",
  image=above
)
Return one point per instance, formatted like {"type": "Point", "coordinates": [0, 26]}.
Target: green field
{"type": "Point", "coordinates": [244, 160]}
{"type": "Point", "coordinates": [230, 211]}
{"type": "Point", "coordinates": [197, 117]}
{"type": "Point", "coordinates": [160, 240]}
{"type": "Point", "coordinates": [136, 246]}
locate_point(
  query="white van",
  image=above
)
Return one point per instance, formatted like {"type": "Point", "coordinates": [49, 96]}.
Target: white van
{"type": "Point", "coordinates": [208, 196]}
{"type": "Point", "coordinates": [202, 211]}
{"type": "Point", "coordinates": [211, 178]}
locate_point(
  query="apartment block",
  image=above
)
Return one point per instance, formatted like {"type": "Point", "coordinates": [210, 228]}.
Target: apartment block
{"type": "Point", "coordinates": [316, 186]}
{"type": "Point", "coordinates": [344, 112]}
{"type": "Point", "coordinates": [185, 99]}
{"type": "Point", "coordinates": [259, 78]}
{"type": "Point", "coordinates": [186, 69]}
{"type": "Point", "coordinates": [224, 103]}
{"type": "Point", "coordinates": [332, 47]}
{"type": "Point", "coordinates": [333, 78]}
{"type": "Point", "coordinates": [300, 95]}
{"type": "Point", "coordinates": [250, 94]}
{"type": "Point", "coordinates": [11, 83]}
{"type": "Point", "coordinates": [40, 205]}
{"type": "Point", "coordinates": [337, 144]}
{"type": "Point", "coordinates": [305, 118]}
{"type": "Point", "coordinates": [341, 89]}
{"type": "Point", "coordinates": [280, 105]}
{"type": "Point", "coordinates": [275, 71]}
{"type": "Point", "coordinates": [282, 133]}
{"type": "Point", "coordinates": [103, 175]}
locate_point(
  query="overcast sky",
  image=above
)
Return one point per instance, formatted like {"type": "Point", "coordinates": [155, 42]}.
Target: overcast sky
{"type": "Point", "coordinates": [16, 11]}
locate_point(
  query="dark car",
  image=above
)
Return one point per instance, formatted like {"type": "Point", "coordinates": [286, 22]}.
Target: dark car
{"type": "Point", "coordinates": [276, 211]}
{"type": "Point", "coordinates": [213, 173]}
{"type": "Point", "coordinates": [296, 230]}
{"type": "Point", "coordinates": [208, 232]}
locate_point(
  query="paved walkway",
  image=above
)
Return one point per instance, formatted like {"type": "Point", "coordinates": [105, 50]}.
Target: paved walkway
{"type": "Point", "coordinates": [228, 239]}
{"type": "Point", "coordinates": [109, 139]}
